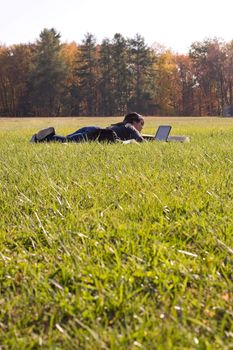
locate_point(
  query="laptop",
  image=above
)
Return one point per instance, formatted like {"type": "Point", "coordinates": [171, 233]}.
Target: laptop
{"type": "Point", "coordinates": [161, 134]}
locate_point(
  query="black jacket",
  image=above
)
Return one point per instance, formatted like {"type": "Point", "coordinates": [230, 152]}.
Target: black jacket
{"type": "Point", "coordinates": [126, 132]}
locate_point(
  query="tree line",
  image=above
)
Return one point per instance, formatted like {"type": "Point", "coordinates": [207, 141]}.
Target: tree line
{"type": "Point", "coordinates": [51, 78]}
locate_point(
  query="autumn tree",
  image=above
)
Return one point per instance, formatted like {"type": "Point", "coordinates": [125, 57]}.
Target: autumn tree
{"type": "Point", "coordinates": [70, 99]}
{"type": "Point", "coordinates": [5, 89]}
{"type": "Point", "coordinates": [186, 86]}
{"type": "Point", "coordinates": [216, 62]}
{"type": "Point", "coordinates": [208, 59]}
{"type": "Point", "coordinates": [228, 73]}
{"type": "Point", "coordinates": [15, 63]}
{"type": "Point", "coordinates": [165, 81]}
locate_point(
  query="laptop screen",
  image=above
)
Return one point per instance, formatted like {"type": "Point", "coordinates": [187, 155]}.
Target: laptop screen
{"type": "Point", "coordinates": [163, 132]}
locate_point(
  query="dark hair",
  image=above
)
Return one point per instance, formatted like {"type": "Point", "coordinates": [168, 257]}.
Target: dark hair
{"type": "Point", "coordinates": [132, 117]}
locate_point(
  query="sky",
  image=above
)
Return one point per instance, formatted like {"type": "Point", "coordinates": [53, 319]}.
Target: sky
{"type": "Point", "coordinates": [175, 24]}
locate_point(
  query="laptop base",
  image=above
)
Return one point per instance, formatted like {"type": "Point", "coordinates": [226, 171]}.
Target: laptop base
{"type": "Point", "coordinates": [178, 138]}
{"type": "Point", "coordinates": [175, 138]}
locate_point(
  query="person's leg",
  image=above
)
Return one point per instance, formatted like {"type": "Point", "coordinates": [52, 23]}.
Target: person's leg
{"type": "Point", "coordinates": [78, 137]}
{"type": "Point", "coordinates": [81, 135]}
{"type": "Point", "coordinates": [83, 130]}
{"type": "Point", "coordinates": [57, 138]}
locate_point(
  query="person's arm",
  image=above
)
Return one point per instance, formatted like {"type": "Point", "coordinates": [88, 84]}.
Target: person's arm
{"type": "Point", "coordinates": [134, 133]}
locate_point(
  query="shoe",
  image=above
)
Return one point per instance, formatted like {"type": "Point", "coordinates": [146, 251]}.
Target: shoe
{"type": "Point", "coordinates": [44, 134]}
{"type": "Point", "coordinates": [33, 139]}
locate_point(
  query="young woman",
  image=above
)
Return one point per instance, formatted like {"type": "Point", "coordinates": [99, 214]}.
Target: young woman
{"type": "Point", "coordinates": [130, 128]}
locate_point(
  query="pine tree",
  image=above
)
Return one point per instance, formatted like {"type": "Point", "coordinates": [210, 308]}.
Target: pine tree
{"type": "Point", "coordinates": [86, 75]}
{"type": "Point", "coordinates": [106, 78]}
{"type": "Point", "coordinates": [141, 74]}
{"type": "Point", "coordinates": [120, 74]}
{"type": "Point", "coordinates": [48, 74]}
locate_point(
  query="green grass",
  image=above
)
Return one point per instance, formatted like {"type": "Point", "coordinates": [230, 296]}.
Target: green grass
{"type": "Point", "coordinates": [116, 246]}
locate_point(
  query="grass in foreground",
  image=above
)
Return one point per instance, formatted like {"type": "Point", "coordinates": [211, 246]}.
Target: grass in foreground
{"type": "Point", "coordinates": [116, 246]}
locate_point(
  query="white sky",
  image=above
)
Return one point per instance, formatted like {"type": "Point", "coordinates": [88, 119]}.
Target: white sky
{"type": "Point", "coordinates": [176, 24]}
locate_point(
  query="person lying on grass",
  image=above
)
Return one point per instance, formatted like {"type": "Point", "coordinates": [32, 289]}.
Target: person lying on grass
{"type": "Point", "coordinates": [129, 129]}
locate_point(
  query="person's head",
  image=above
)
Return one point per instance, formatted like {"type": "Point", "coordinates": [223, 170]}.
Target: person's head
{"type": "Point", "coordinates": [135, 119]}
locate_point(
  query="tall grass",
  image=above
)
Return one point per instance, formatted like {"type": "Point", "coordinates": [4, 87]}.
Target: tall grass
{"type": "Point", "coordinates": [116, 246]}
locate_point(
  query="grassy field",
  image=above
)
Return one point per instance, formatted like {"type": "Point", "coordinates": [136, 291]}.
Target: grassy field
{"type": "Point", "coordinates": [116, 246]}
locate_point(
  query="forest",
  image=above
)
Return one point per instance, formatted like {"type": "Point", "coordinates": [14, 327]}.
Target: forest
{"type": "Point", "coordinates": [52, 78]}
